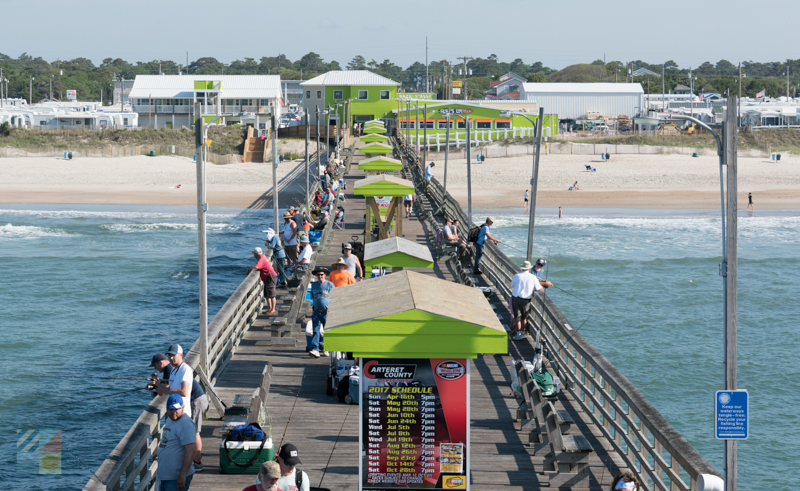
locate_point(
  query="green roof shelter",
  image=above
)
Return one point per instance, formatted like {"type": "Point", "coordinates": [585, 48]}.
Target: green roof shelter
{"type": "Point", "coordinates": [396, 253]}
{"type": "Point", "coordinates": [378, 128]}
{"type": "Point", "coordinates": [375, 149]}
{"type": "Point", "coordinates": [380, 164]}
{"type": "Point", "coordinates": [374, 139]}
{"type": "Point", "coordinates": [412, 315]}
{"type": "Point", "coordinates": [383, 186]}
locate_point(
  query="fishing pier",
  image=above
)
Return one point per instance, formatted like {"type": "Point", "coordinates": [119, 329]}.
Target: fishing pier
{"type": "Point", "coordinates": [598, 425]}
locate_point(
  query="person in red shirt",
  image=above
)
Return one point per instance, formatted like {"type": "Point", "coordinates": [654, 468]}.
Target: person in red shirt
{"type": "Point", "coordinates": [268, 276]}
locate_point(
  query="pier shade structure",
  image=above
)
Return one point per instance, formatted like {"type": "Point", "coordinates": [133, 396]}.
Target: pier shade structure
{"type": "Point", "coordinates": [384, 196]}
{"type": "Point", "coordinates": [414, 335]}
{"type": "Point", "coordinates": [396, 253]}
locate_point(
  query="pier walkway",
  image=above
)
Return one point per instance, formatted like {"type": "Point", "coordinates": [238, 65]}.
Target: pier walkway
{"type": "Point", "coordinates": [622, 428]}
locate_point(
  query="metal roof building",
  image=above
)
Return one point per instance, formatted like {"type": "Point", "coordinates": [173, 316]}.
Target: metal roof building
{"type": "Point", "coordinates": [577, 100]}
{"type": "Point", "coordinates": [350, 77]}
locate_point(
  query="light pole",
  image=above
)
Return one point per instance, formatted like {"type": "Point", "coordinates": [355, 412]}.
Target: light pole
{"type": "Point", "coordinates": [537, 144]}
{"type": "Point", "coordinates": [308, 204]}
{"type": "Point", "coordinates": [469, 163]}
{"type": "Point", "coordinates": [31, 92]}
{"type": "Point", "coordinates": [51, 87]}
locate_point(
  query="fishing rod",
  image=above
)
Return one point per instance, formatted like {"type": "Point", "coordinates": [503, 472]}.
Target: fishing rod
{"type": "Point", "coordinates": [106, 378]}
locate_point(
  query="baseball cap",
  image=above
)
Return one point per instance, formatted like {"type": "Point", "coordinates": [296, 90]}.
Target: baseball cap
{"type": "Point", "coordinates": [270, 470]}
{"type": "Point", "coordinates": [289, 454]}
{"type": "Point", "coordinates": [258, 251]}
{"type": "Point", "coordinates": [526, 265]}
{"type": "Point", "coordinates": [541, 262]}
{"type": "Point", "coordinates": [175, 349]}
{"type": "Point", "coordinates": [174, 401]}
{"type": "Point", "coordinates": [157, 358]}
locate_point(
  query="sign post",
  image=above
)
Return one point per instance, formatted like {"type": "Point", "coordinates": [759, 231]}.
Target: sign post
{"type": "Point", "coordinates": [732, 415]}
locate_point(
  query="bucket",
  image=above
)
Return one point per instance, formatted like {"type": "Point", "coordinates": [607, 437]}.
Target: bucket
{"type": "Point", "coordinates": [695, 155]}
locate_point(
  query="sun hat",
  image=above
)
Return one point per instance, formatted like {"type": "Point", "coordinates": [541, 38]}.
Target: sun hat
{"type": "Point", "coordinates": [490, 219]}
{"type": "Point", "coordinates": [527, 265]}
{"type": "Point", "coordinates": [286, 214]}
{"type": "Point", "coordinates": [320, 269]}
{"type": "Point", "coordinates": [174, 401]}
{"type": "Point", "coordinates": [348, 246]}
{"type": "Point", "coordinates": [341, 262]}
{"type": "Point", "coordinates": [304, 239]}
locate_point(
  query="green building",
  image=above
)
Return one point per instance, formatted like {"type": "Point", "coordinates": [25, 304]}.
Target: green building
{"type": "Point", "coordinates": [355, 96]}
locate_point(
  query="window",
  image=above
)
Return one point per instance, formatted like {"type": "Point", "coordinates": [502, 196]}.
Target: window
{"type": "Point", "coordinates": [428, 125]}
{"type": "Point", "coordinates": [462, 125]}
{"type": "Point", "coordinates": [484, 125]}
{"type": "Point", "coordinates": [502, 125]}
{"type": "Point", "coordinates": [384, 95]}
{"type": "Point", "coordinates": [363, 95]}
{"type": "Point", "coordinates": [319, 94]}
{"type": "Point", "coordinates": [265, 102]}
{"type": "Point", "coordinates": [308, 94]}
{"type": "Point", "coordinates": [443, 125]}
{"type": "Point", "coordinates": [407, 125]}
{"type": "Point", "coordinates": [337, 95]}
{"type": "Point", "coordinates": [125, 121]}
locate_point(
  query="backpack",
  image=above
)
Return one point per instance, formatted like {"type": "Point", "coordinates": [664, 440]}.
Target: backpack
{"type": "Point", "coordinates": [474, 232]}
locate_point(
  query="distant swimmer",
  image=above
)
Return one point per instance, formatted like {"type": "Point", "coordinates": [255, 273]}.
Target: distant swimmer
{"type": "Point", "coordinates": [750, 206]}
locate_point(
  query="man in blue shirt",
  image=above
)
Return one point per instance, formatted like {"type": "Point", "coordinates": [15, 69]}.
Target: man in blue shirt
{"type": "Point", "coordinates": [320, 296]}
{"type": "Point", "coordinates": [278, 254]}
{"type": "Point", "coordinates": [428, 174]}
{"type": "Point", "coordinates": [483, 234]}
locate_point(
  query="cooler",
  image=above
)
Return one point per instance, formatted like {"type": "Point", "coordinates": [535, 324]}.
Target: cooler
{"type": "Point", "coordinates": [242, 453]}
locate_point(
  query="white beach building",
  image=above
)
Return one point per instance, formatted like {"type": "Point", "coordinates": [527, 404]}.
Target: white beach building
{"type": "Point", "coordinates": [581, 100]}
{"type": "Point", "coordinates": [167, 101]}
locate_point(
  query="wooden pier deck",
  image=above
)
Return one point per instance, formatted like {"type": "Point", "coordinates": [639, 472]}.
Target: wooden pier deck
{"type": "Point", "coordinates": [326, 431]}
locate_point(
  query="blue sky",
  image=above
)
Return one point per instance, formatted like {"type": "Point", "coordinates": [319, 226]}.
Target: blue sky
{"type": "Point", "coordinates": [557, 33]}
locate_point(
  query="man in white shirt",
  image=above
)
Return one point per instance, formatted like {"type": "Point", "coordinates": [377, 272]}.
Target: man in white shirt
{"type": "Point", "coordinates": [180, 378]}
{"type": "Point", "coordinates": [523, 287]}
{"type": "Point", "coordinates": [305, 256]}
{"type": "Point", "coordinates": [353, 264]}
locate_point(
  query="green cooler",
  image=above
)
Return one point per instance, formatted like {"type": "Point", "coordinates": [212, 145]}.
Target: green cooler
{"type": "Point", "coordinates": [245, 454]}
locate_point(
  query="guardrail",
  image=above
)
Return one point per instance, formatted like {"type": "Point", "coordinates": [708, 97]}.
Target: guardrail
{"type": "Point", "coordinates": [131, 465]}
{"type": "Point", "coordinates": [631, 424]}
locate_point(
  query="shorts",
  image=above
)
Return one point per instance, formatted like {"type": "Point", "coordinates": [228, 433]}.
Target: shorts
{"type": "Point", "coordinates": [291, 253]}
{"type": "Point", "coordinates": [269, 287]}
{"type": "Point", "coordinates": [526, 200]}
{"type": "Point", "coordinates": [407, 202]}
{"type": "Point", "coordinates": [199, 406]}
{"type": "Point", "coordinates": [522, 307]}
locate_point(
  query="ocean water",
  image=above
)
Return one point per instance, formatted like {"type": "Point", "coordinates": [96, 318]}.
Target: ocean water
{"type": "Point", "coordinates": [95, 291]}
{"type": "Point", "coordinates": [647, 293]}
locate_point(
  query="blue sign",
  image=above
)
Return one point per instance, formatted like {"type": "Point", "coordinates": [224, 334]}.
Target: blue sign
{"type": "Point", "coordinates": [731, 421]}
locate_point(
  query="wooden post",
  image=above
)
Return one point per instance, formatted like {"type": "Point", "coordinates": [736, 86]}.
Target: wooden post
{"type": "Point", "coordinates": [730, 280]}
{"type": "Point", "coordinates": [370, 201]}
{"type": "Point", "coordinates": [398, 216]}
{"type": "Point", "coordinates": [199, 143]}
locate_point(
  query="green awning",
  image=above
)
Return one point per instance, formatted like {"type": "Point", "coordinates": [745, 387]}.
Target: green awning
{"type": "Point", "coordinates": [383, 185]}
{"type": "Point", "coordinates": [412, 315]}
{"type": "Point", "coordinates": [374, 129]}
{"type": "Point", "coordinates": [374, 139]}
{"type": "Point", "coordinates": [375, 148]}
{"type": "Point", "coordinates": [380, 164]}
{"type": "Point", "coordinates": [397, 252]}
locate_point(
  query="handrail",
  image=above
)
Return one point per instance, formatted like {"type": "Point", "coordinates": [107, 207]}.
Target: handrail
{"type": "Point", "coordinates": [631, 424]}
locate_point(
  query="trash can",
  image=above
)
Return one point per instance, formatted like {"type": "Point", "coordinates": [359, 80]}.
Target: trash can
{"type": "Point", "coordinates": [66, 155]}
{"type": "Point", "coordinates": [70, 156]}
{"type": "Point", "coordinates": [779, 157]}
{"type": "Point", "coordinates": [602, 156]}
{"type": "Point", "coordinates": [774, 156]}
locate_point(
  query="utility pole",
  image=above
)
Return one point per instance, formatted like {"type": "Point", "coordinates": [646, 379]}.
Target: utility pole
{"type": "Point", "coordinates": [535, 180]}
{"type": "Point", "coordinates": [425, 134]}
{"type": "Point", "coordinates": [275, 168]}
{"type": "Point", "coordinates": [464, 88]}
{"type": "Point", "coordinates": [691, 89]}
{"type": "Point", "coordinates": [663, 90]}
{"type": "Point", "coordinates": [729, 272]}
{"type": "Point", "coordinates": [1, 88]}
{"type": "Point", "coordinates": [416, 126]}
{"type": "Point", "coordinates": [60, 92]}
{"type": "Point", "coordinates": [30, 99]}
{"type": "Point", "coordinates": [122, 94]}
{"type": "Point", "coordinates": [319, 160]}
{"type": "Point", "coordinates": [787, 80]}
{"type": "Point", "coordinates": [469, 177]}
{"type": "Point", "coordinates": [202, 209]}
{"type": "Point", "coordinates": [739, 111]}
{"type": "Point", "coordinates": [308, 204]}
{"type": "Point", "coordinates": [427, 77]}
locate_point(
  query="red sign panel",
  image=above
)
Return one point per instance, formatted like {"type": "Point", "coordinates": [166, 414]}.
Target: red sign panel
{"type": "Point", "coordinates": [414, 424]}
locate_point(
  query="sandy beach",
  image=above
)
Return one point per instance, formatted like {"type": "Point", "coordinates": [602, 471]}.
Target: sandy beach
{"type": "Point", "coordinates": [627, 181]}
{"type": "Point", "coordinates": [139, 180]}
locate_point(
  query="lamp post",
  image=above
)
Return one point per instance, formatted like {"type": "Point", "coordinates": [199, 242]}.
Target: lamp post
{"type": "Point", "coordinates": [728, 266]}
{"type": "Point", "coordinates": [469, 164]}
{"type": "Point", "coordinates": [51, 87]}
{"type": "Point", "coordinates": [308, 203]}
{"type": "Point", "coordinates": [31, 92]}
{"type": "Point", "coordinates": [537, 144]}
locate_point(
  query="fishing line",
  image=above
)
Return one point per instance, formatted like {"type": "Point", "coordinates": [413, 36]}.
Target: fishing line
{"type": "Point", "coordinates": [82, 462]}
{"type": "Point", "coordinates": [92, 398]}
{"type": "Point", "coordinates": [579, 298]}
{"type": "Point", "coordinates": [104, 378]}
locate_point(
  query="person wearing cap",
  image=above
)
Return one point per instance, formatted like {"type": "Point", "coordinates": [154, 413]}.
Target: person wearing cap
{"type": "Point", "coordinates": [341, 276]}
{"type": "Point", "coordinates": [523, 286]}
{"type": "Point", "coordinates": [322, 222]}
{"type": "Point", "coordinates": [267, 277]}
{"type": "Point", "coordinates": [299, 219]}
{"type": "Point", "coordinates": [290, 237]}
{"type": "Point", "coordinates": [269, 474]}
{"type": "Point", "coordinates": [305, 256]}
{"type": "Point", "coordinates": [180, 378]}
{"type": "Point", "coordinates": [278, 254]}
{"type": "Point", "coordinates": [320, 297]}
{"type": "Point", "coordinates": [177, 446]}
{"type": "Point", "coordinates": [198, 405]}
{"type": "Point", "coordinates": [353, 264]}
{"type": "Point", "coordinates": [483, 234]}
{"type": "Point", "coordinates": [291, 479]}
{"type": "Point", "coordinates": [537, 269]}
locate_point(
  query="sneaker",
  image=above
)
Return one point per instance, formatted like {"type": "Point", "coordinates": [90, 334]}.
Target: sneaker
{"type": "Point", "coordinates": [325, 353]}
{"type": "Point", "coordinates": [198, 467]}
{"type": "Point", "coordinates": [313, 353]}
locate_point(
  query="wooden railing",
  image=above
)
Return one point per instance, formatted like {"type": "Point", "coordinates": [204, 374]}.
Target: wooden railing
{"type": "Point", "coordinates": [631, 424]}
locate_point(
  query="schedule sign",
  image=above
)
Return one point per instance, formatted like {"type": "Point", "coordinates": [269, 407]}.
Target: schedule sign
{"type": "Point", "coordinates": [414, 424]}
{"type": "Point", "coordinates": [731, 420]}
